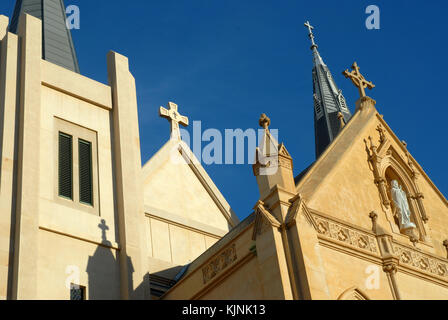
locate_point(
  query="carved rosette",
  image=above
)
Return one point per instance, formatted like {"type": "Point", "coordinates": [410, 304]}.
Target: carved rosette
{"type": "Point", "coordinates": [423, 262]}
{"type": "Point", "coordinates": [351, 237]}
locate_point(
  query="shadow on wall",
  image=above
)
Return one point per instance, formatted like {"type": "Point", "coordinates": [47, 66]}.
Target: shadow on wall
{"type": "Point", "coordinates": [104, 272]}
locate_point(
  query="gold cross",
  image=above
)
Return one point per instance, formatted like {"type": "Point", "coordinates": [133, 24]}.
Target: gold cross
{"type": "Point", "coordinates": [358, 80]}
{"type": "Point", "coordinates": [175, 118]}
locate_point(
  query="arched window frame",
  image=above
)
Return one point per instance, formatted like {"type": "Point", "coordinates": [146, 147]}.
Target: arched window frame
{"type": "Point", "coordinates": [353, 293]}
{"type": "Point", "coordinates": [405, 179]}
{"type": "Point", "coordinates": [383, 157]}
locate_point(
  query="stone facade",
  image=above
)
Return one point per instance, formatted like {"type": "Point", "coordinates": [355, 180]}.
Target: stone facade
{"type": "Point", "coordinates": [135, 228]}
{"type": "Point", "coordinates": [163, 230]}
{"type": "Point", "coordinates": [333, 236]}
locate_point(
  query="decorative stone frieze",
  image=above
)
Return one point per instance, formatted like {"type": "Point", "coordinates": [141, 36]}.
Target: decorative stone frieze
{"type": "Point", "coordinates": [423, 262]}
{"type": "Point", "coordinates": [347, 235]}
{"type": "Point", "coordinates": [224, 259]}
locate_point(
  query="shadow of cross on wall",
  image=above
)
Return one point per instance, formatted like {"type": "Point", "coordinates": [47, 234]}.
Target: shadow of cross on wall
{"type": "Point", "coordinates": [103, 270]}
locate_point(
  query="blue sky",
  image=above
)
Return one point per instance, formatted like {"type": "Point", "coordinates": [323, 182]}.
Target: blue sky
{"type": "Point", "coordinates": [226, 62]}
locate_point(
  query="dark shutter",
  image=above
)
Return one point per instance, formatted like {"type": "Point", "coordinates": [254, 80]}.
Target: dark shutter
{"type": "Point", "coordinates": [65, 166]}
{"type": "Point", "coordinates": [85, 172]}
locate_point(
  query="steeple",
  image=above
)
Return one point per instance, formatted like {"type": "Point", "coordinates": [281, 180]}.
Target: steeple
{"type": "Point", "coordinates": [329, 103]}
{"type": "Point", "coordinates": [57, 43]}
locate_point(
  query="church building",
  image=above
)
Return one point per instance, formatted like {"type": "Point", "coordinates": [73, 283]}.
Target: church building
{"type": "Point", "coordinates": [82, 218]}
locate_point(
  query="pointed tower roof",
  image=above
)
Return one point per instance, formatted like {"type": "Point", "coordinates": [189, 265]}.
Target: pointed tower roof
{"type": "Point", "coordinates": [329, 103]}
{"type": "Point", "coordinates": [57, 43]}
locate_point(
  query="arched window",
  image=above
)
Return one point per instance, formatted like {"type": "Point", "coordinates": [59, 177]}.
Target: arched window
{"type": "Point", "coordinates": [353, 293]}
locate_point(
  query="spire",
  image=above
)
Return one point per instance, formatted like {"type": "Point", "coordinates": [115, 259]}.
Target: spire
{"type": "Point", "coordinates": [273, 163]}
{"type": "Point", "coordinates": [57, 43]}
{"type": "Point", "coordinates": [328, 101]}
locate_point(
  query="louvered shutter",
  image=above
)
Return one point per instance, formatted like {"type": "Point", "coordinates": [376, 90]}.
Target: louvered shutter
{"type": "Point", "coordinates": [85, 172]}
{"type": "Point", "coordinates": [65, 166]}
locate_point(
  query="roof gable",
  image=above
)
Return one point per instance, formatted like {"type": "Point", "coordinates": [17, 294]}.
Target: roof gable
{"type": "Point", "coordinates": [175, 182]}
{"type": "Point", "coordinates": [342, 182]}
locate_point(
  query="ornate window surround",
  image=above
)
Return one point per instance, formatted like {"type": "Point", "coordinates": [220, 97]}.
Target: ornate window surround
{"type": "Point", "coordinates": [383, 157]}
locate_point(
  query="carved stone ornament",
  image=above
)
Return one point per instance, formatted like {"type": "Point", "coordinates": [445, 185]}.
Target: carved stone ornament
{"type": "Point", "coordinates": [346, 235]}
{"type": "Point", "coordinates": [415, 259]}
{"type": "Point", "coordinates": [224, 259]}
{"type": "Point", "coordinates": [390, 268]}
{"type": "Point", "coordinates": [381, 156]}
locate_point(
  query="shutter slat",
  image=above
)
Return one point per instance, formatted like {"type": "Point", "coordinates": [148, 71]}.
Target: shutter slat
{"type": "Point", "coordinates": [65, 166]}
{"type": "Point", "coordinates": [85, 172]}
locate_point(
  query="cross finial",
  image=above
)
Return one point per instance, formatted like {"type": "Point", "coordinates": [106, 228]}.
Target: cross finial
{"type": "Point", "coordinates": [175, 118]}
{"type": "Point", "coordinates": [358, 80]}
{"type": "Point", "coordinates": [311, 35]}
{"type": "Point", "coordinates": [264, 121]}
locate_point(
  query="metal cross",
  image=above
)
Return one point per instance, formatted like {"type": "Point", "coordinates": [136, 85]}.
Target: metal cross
{"type": "Point", "coordinates": [358, 80]}
{"type": "Point", "coordinates": [311, 35]}
{"type": "Point", "coordinates": [175, 118]}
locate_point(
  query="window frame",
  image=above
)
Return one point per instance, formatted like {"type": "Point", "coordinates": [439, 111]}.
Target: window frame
{"type": "Point", "coordinates": [83, 290]}
{"type": "Point", "coordinates": [89, 143]}
{"type": "Point", "coordinates": [78, 133]}
{"type": "Point", "coordinates": [63, 134]}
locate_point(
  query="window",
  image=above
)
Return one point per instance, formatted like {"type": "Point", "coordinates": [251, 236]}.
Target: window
{"type": "Point", "coordinates": [85, 172]}
{"type": "Point", "coordinates": [77, 292]}
{"type": "Point", "coordinates": [65, 169]}
{"type": "Point", "coordinates": [76, 181]}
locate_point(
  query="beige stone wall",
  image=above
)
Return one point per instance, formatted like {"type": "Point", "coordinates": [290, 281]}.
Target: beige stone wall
{"type": "Point", "coordinates": [237, 268]}
{"type": "Point", "coordinates": [70, 236]}
{"type": "Point", "coordinates": [8, 96]}
{"type": "Point", "coordinates": [172, 185]}
{"type": "Point", "coordinates": [345, 271]}
{"type": "Point", "coordinates": [415, 288]}
{"type": "Point", "coordinates": [174, 245]}
{"type": "Point", "coordinates": [58, 215]}
{"type": "Point", "coordinates": [64, 260]}
{"type": "Point", "coordinates": [230, 277]}
{"type": "Point", "coordinates": [245, 283]}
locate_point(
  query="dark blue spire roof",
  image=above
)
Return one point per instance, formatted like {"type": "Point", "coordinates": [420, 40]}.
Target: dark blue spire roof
{"type": "Point", "coordinates": [328, 101]}
{"type": "Point", "coordinates": [57, 43]}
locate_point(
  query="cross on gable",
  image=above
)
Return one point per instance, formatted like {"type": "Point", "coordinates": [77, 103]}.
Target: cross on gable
{"type": "Point", "coordinates": [358, 80]}
{"type": "Point", "coordinates": [175, 118]}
